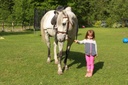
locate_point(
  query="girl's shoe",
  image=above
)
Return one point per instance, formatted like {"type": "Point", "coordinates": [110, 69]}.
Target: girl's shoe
{"type": "Point", "coordinates": [90, 74]}
{"type": "Point", "coordinates": [87, 74]}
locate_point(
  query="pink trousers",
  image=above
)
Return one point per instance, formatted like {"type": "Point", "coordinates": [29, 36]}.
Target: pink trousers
{"type": "Point", "coordinates": [89, 62]}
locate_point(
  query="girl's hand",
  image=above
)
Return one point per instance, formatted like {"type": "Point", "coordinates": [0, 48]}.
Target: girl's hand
{"type": "Point", "coordinates": [75, 41]}
{"type": "Point", "coordinates": [96, 56]}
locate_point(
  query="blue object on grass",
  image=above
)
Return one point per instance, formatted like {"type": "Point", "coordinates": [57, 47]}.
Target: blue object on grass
{"type": "Point", "coordinates": [125, 40]}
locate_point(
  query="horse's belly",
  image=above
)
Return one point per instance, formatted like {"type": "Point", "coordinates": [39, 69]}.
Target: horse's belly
{"type": "Point", "coordinates": [47, 24]}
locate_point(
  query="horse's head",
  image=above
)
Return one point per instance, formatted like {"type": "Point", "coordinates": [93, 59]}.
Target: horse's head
{"type": "Point", "coordinates": [62, 26]}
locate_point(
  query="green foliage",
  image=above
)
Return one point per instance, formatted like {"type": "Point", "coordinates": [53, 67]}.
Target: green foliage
{"type": "Point", "coordinates": [118, 10]}
{"type": "Point", "coordinates": [109, 21]}
{"type": "Point", "coordinates": [87, 11]}
{"type": "Point", "coordinates": [117, 25]}
{"type": "Point", "coordinates": [23, 10]}
{"type": "Point", "coordinates": [5, 9]}
{"type": "Point", "coordinates": [97, 24]}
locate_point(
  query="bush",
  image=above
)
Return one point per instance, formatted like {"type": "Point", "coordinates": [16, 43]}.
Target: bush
{"type": "Point", "coordinates": [103, 24]}
{"type": "Point", "coordinates": [97, 24]}
{"type": "Point", "coordinates": [117, 25]}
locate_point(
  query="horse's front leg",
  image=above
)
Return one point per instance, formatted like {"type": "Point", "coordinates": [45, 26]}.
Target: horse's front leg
{"type": "Point", "coordinates": [69, 43]}
{"type": "Point", "coordinates": [55, 52]}
{"type": "Point", "coordinates": [66, 56]}
{"type": "Point", "coordinates": [60, 45]}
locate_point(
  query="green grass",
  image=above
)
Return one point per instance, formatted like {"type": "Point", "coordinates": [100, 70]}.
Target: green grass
{"type": "Point", "coordinates": [23, 58]}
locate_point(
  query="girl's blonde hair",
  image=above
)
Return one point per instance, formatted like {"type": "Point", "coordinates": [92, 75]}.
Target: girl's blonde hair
{"type": "Point", "coordinates": [90, 33]}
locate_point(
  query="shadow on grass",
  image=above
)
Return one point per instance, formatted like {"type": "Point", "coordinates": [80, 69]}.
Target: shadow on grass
{"type": "Point", "coordinates": [79, 59]}
{"type": "Point", "coordinates": [79, 34]}
{"type": "Point", "coordinates": [98, 66]}
{"type": "Point", "coordinates": [16, 33]}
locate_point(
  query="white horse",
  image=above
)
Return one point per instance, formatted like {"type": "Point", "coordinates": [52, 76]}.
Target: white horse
{"type": "Point", "coordinates": [67, 28]}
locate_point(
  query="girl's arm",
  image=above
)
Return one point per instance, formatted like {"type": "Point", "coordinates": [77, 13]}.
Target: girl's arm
{"type": "Point", "coordinates": [80, 41]}
{"type": "Point", "coordinates": [96, 48]}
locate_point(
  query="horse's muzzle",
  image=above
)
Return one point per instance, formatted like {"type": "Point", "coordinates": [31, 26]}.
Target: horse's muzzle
{"type": "Point", "coordinates": [61, 37]}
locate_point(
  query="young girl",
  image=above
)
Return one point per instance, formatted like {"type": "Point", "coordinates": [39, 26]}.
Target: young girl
{"type": "Point", "coordinates": [90, 51]}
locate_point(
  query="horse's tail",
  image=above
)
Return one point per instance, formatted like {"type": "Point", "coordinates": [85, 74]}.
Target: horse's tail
{"type": "Point", "coordinates": [42, 31]}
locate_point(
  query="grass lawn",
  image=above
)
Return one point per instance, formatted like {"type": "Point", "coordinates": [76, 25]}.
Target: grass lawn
{"type": "Point", "coordinates": [23, 58]}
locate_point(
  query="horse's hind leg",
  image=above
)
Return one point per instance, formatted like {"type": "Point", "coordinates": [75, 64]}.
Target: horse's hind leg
{"type": "Point", "coordinates": [47, 38]}
{"type": "Point", "coordinates": [49, 57]}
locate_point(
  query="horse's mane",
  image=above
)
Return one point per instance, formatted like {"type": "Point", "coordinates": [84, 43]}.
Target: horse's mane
{"type": "Point", "coordinates": [72, 18]}
{"type": "Point", "coordinates": [70, 14]}
{"type": "Point", "coordinates": [68, 9]}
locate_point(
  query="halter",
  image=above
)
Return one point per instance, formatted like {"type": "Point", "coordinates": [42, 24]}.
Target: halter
{"type": "Point", "coordinates": [57, 32]}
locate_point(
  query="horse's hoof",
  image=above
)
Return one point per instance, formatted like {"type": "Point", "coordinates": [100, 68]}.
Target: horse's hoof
{"type": "Point", "coordinates": [48, 60]}
{"type": "Point", "coordinates": [60, 72]}
{"type": "Point", "coordinates": [66, 68]}
{"type": "Point", "coordinates": [56, 62]}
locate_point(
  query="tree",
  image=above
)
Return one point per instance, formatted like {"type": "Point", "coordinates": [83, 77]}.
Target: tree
{"type": "Point", "coordinates": [118, 11]}
{"type": "Point", "coordinates": [87, 11]}
{"type": "Point", "coordinates": [5, 9]}
{"type": "Point", "coordinates": [23, 11]}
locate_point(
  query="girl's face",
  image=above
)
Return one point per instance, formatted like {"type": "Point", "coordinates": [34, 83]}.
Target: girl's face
{"type": "Point", "coordinates": [90, 37]}
{"type": "Point", "coordinates": [90, 34]}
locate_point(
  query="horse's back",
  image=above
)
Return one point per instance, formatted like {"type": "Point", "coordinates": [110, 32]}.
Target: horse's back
{"type": "Point", "coordinates": [46, 20]}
